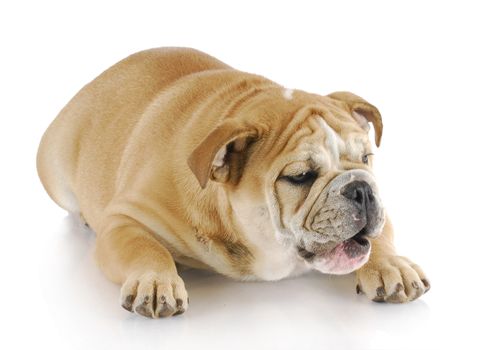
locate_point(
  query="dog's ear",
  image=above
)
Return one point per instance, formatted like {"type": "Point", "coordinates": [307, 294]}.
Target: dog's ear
{"type": "Point", "coordinates": [221, 156]}
{"type": "Point", "coordinates": [362, 111]}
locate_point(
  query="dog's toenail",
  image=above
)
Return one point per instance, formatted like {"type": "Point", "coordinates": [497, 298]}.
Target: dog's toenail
{"type": "Point", "coordinates": [179, 312]}
{"type": "Point", "coordinates": [399, 287]}
{"type": "Point", "coordinates": [380, 292]}
{"type": "Point", "coordinates": [415, 285]}
{"type": "Point", "coordinates": [166, 310]}
{"type": "Point", "coordinates": [358, 290]}
{"type": "Point", "coordinates": [128, 303]}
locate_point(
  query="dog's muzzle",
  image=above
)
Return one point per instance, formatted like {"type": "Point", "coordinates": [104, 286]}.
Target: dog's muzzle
{"type": "Point", "coordinates": [345, 215]}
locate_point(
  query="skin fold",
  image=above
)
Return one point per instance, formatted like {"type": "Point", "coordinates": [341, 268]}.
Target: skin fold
{"type": "Point", "coordinates": [174, 158]}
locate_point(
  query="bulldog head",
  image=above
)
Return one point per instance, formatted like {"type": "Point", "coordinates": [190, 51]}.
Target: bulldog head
{"type": "Point", "coordinates": [296, 169]}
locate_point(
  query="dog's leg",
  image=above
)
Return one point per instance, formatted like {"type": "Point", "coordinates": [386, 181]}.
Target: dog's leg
{"type": "Point", "coordinates": [128, 254]}
{"type": "Point", "coordinates": [389, 277]}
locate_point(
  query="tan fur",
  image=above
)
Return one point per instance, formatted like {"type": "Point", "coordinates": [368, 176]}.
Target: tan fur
{"type": "Point", "coordinates": [136, 153]}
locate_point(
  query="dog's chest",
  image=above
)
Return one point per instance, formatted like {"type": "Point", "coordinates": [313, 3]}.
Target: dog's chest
{"type": "Point", "coordinates": [277, 262]}
{"type": "Point", "coordinates": [274, 255]}
{"type": "Point", "coordinates": [266, 259]}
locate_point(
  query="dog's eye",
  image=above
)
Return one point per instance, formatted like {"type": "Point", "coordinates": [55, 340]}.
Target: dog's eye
{"type": "Point", "coordinates": [303, 178]}
{"type": "Point", "coordinates": [365, 158]}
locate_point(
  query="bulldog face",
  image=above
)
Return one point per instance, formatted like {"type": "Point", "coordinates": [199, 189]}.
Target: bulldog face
{"type": "Point", "coordinates": [328, 199]}
{"type": "Point", "coordinates": [305, 183]}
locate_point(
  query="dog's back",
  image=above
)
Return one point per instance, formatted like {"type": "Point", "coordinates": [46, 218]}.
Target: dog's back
{"type": "Point", "coordinates": [101, 117]}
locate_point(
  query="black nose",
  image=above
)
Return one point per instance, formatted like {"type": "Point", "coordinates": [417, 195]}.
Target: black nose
{"type": "Point", "coordinates": [360, 193]}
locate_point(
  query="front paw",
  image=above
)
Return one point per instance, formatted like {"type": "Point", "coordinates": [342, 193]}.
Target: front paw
{"type": "Point", "coordinates": [393, 279]}
{"type": "Point", "coordinates": [154, 295]}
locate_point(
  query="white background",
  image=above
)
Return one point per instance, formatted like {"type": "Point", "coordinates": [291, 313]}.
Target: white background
{"type": "Point", "coordinates": [433, 69]}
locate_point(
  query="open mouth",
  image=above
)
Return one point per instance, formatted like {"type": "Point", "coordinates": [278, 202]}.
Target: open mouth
{"type": "Point", "coordinates": [345, 257]}
{"type": "Point", "coordinates": [362, 244]}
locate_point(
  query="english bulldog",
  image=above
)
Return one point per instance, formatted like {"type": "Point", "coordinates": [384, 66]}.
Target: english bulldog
{"type": "Point", "coordinates": [176, 159]}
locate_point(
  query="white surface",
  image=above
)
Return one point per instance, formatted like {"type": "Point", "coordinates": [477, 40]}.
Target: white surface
{"type": "Point", "coordinates": [435, 72]}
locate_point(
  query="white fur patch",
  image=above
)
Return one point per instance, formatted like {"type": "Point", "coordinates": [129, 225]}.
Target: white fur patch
{"type": "Point", "coordinates": [274, 258]}
{"type": "Point", "coordinates": [355, 148]}
{"type": "Point", "coordinates": [220, 157]}
{"type": "Point", "coordinates": [277, 262]}
{"type": "Point", "coordinates": [334, 143]}
{"type": "Point", "coordinates": [288, 94]}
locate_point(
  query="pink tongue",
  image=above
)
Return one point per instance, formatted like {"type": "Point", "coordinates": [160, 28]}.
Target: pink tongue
{"type": "Point", "coordinates": [344, 258]}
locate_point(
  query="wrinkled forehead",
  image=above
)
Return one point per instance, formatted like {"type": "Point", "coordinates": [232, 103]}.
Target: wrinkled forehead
{"type": "Point", "coordinates": [348, 143]}
{"type": "Point", "coordinates": [328, 142]}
